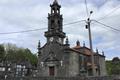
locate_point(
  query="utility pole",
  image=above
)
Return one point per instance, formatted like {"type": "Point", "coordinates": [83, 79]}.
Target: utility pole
{"type": "Point", "coordinates": [90, 43]}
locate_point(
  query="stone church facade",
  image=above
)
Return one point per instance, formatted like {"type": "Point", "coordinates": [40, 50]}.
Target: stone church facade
{"type": "Point", "coordinates": [57, 58]}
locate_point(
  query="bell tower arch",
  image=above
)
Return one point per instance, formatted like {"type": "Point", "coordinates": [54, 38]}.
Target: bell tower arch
{"type": "Point", "coordinates": [55, 24]}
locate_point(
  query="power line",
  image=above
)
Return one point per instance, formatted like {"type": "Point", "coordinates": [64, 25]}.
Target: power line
{"type": "Point", "coordinates": [33, 30]}
{"type": "Point", "coordinates": [73, 22]}
{"type": "Point", "coordinates": [111, 12]}
{"type": "Point", "coordinates": [26, 31]}
{"type": "Point", "coordinates": [64, 24]}
{"type": "Point", "coordinates": [107, 26]}
{"type": "Point", "coordinates": [23, 31]}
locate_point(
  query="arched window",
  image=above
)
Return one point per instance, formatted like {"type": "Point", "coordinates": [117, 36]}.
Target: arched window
{"type": "Point", "coordinates": [58, 10]}
{"type": "Point", "coordinates": [52, 24]}
{"type": "Point", "coordinates": [53, 10]}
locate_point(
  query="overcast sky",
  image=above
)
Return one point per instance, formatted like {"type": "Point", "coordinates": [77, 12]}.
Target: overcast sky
{"type": "Point", "coordinates": [20, 15]}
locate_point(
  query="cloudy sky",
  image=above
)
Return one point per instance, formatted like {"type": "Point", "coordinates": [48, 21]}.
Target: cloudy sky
{"type": "Point", "coordinates": [21, 15]}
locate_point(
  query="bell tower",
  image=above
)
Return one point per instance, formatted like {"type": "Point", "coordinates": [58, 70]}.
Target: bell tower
{"type": "Point", "coordinates": [55, 24]}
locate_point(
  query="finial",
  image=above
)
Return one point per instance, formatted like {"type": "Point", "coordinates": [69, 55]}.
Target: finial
{"type": "Point", "coordinates": [103, 53]}
{"type": "Point", "coordinates": [83, 43]}
{"type": "Point", "coordinates": [39, 44]}
{"type": "Point", "coordinates": [67, 41]}
{"type": "Point", "coordinates": [97, 50]}
{"type": "Point", "coordinates": [78, 43]}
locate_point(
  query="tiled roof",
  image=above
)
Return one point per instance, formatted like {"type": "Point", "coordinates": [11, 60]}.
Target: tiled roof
{"type": "Point", "coordinates": [76, 47]}
{"type": "Point", "coordinates": [83, 50]}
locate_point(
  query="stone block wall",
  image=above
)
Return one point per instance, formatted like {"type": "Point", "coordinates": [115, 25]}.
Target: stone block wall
{"type": "Point", "coordinates": [64, 78]}
{"type": "Point", "coordinates": [74, 64]}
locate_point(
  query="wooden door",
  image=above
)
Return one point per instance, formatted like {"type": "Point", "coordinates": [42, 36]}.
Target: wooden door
{"type": "Point", "coordinates": [51, 71]}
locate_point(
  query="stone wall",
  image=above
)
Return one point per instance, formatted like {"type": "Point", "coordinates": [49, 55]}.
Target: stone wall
{"type": "Point", "coordinates": [65, 78]}
{"type": "Point", "coordinates": [74, 64]}
{"type": "Point", "coordinates": [102, 66]}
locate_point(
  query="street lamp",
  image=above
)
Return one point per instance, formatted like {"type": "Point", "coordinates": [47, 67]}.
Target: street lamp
{"type": "Point", "coordinates": [90, 42]}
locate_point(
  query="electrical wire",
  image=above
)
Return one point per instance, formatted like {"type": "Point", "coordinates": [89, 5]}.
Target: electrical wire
{"type": "Point", "coordinates": [107, 26]}
{"type": "Point", "coordinates": [33, 30]}
{"type": "Point", "coordinates": [73, 22]}
{"type": "Point", "coordinates": [23, 31]}
{"type": "Point", "coordinates": [111, 12]}
{"type": "Point", "coordinates": [65, 24]}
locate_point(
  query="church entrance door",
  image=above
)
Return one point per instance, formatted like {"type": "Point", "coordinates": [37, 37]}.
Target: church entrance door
{"type": "Point", "coordinates": [52, 71]}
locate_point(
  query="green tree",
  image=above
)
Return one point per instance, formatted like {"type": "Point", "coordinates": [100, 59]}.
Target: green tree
{"type": "Point", "coordinates": [113, 68]}
{"type": "Point", "coordinates": [109, 67]}
{"type": "Point", "coordinates": [14, 53]}
{"type": "Point", "coordinates": [31, 57]}
{"type": "Point", "coordinates": [11, 52]}
{"type": "Point", "coordinates": [2, 52]}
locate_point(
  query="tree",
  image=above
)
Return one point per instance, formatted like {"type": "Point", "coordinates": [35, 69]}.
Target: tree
{"type": "Point", "coordinates": [31, 57]}
{"type": "Point", "coordinates": [113, 66]}
{"type": "Point", "coordinates": [15, 54]}
{"type": "Point", "coordinates": [11, 52]}
{"type": "Point", "coordinates": [2, 52]}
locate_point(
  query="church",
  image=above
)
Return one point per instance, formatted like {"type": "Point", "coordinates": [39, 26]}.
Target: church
{"type": "Point", "coordinates": [57, 58]}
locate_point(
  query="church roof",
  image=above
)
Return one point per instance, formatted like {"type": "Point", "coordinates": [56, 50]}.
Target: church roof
{"type": "Point", "coordinates": [74, 50]}
{"type": "Point", "coordinates": [83, 50]}
{"type": "Point", "coordinates": [76, 47]}
{"type": "Point", "coordinates": [86, 51]}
